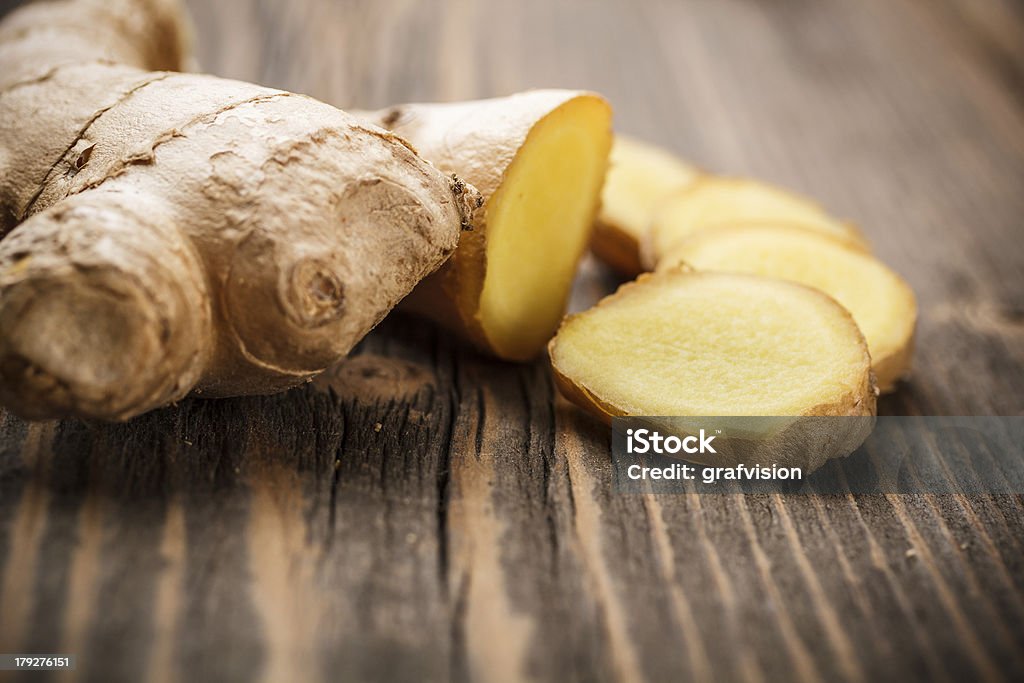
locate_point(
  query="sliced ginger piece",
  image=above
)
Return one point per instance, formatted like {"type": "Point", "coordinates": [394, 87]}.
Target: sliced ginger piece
{"type": "Point", "coordinates": [881, 303]}
{"type": "Point", "coordinates": [683, 343]}
{"type": "Point", "coordinates": [640, 175]}
{"type": "Point", "coordinates": [688, 343]}
{"type": "Point", "coordinates": [714, 201]}
{"type": "Point", "coordinates": [539, 159]}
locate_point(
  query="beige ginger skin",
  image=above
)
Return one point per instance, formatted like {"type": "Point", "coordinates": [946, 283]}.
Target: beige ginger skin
{"type": "Point", "coordinates": [169, 233]}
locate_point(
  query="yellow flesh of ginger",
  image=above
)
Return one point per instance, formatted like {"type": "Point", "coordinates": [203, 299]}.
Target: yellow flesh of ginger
{"type": "Point", "coordinates": [720, 201]}
{"type": "Point", "coordinates": [880, 301]}
{"type": "Point", "coordinates": [538, 224]}
{"type": "Point", "coordinates": [639, 177]}
{"type": "Point", "coordinates": [711, 344]}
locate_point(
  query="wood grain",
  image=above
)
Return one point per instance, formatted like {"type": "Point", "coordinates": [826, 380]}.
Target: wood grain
{"type": "Point", "coordinates": [424, 513]}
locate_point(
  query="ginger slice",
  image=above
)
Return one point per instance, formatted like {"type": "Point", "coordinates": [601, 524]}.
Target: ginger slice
{"type": "Point", "coordinates": [640, 176]}
{"type": "Point", "coordinates": [716, 201]}
{"type": "Point", "coordinates": [880, 301]}
{"type": "Point", "coordinates": [683, 343]}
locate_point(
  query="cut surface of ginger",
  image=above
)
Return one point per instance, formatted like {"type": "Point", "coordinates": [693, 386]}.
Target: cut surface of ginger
{"type": "Point", "coordinates": [880, 301]}
{"type": "Point", "coordinates": [680, 343]}
{"type": "Point", "coordinates": [538, 224]}
{"type": "Point", "coordinates": [715, 201]}
{"type": "Point", "coordinates": [640, 176]}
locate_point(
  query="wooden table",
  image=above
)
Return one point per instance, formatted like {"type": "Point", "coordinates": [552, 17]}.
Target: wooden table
{"type": "Point", "coordinates": [424, 513]}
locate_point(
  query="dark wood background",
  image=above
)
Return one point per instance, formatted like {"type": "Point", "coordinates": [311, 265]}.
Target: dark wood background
{"type": "Point", "coordinates": [424, 513]}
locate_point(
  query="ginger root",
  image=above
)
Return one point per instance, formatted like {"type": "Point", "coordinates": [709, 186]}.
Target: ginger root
{"type": "Point", "coordinates": [640, 176]}
{"type": "Point", "coordinates": [880, 301]}
{"type": "Point", "coordinates": [679, 343]}
{"type": "Point", "coordinates": [539, 160]}
{"type": "Point", "coordinates": [172, 233]}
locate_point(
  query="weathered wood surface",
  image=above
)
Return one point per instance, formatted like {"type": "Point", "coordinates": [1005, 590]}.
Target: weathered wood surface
{"type": "Point", "coordinates": [423, 513]}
